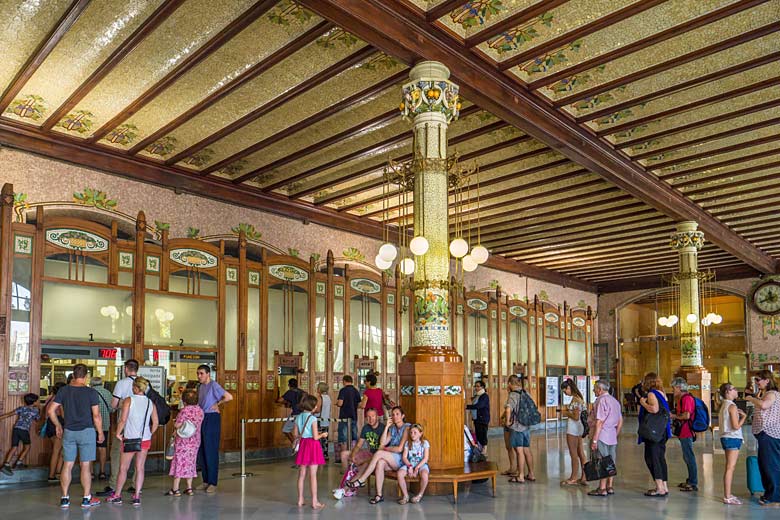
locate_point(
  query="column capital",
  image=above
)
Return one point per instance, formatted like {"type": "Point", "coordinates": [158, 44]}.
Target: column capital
{"type": "Point", "coordinates": [430, 91]}
{"type": "Point", "coordinates": [685, 237]}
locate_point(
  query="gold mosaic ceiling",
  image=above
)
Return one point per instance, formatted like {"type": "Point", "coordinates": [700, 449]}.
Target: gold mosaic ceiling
{"type": "Point", "coordinates": [270, 96]}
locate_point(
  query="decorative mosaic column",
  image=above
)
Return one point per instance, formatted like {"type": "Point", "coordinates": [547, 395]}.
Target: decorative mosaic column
{"type": "Point", "coordinates": [431, 373]}
{"type": "Point", "coordinates": [687, 241]}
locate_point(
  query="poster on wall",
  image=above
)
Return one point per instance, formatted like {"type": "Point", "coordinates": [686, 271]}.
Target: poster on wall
{"type": "Point", "coordinates": [18, 380]}
{"type": "Point", "coordinates": [566, 398]}
{"type": "Point", "coordinates": [155, 376]}
{"type": "Point", "coordinates": [582, 386]}
{"type": "Point", "coordinates": [552, 392]}
{"type": "Point", "coordinates": [593, 380]}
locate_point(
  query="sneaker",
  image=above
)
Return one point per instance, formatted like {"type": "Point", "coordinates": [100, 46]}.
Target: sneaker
{"type": "Point", "coordinates": [107, 492]}
{"type": "Point", "coordinates": [90, 501]}
{"type": "Point", "coordinates": [137, 500]}
{"type": "Point", "coordinates": [114, 499]}
{"type": "Point", "coordinates": [6, 469]}
{"type": "Point", "coordinates": [53, 479]}
{"type": "Point", "coordinates": [20, 465]}
{"type": "Point", "coordinates": [64, 502]}
{"type": "Point", "coordinates": [211, 489]}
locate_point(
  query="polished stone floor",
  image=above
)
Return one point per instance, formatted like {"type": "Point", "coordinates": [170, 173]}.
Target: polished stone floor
{"type": "Point", "coordinates": [271, 493]}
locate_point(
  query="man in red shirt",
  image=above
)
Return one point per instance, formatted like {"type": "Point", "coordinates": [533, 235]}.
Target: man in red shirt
{"type": "Point", "coordinates": [684, 412]}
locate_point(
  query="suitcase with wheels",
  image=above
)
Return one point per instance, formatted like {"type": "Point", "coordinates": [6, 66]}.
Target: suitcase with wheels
{"type": "Point", "coordinates": [754, 483]}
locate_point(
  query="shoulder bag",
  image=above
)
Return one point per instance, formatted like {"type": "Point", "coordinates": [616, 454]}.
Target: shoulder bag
{"type": "Point", "coordinates": [654, 425]}
{"type": "Point", "coordinates": [297, 443]}
{"type": "Point", "coordinates": [134, 445]}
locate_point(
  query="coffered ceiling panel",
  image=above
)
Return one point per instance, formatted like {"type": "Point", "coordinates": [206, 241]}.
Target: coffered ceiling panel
{"type": "Point", "coordinates": [595, 125]}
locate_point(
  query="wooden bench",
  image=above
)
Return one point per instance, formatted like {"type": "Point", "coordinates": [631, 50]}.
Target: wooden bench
{"type": "Point", "coordinates": [469, 473]}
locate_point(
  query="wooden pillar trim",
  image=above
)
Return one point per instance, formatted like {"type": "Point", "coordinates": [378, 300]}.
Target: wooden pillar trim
{"type": "Point", "coordinates": [139, 284]}
{"type": "Point", "coordinates": [6, 274]}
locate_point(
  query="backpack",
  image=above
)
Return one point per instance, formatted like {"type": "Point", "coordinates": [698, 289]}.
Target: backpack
{"type": "Point", "coordinates": [700, 422]}
{"type": "Point", "coordinates": [163, 410]}
{"type": "Point", "coordinates": [584, 421]}
{"type": "Point", "coordinates": [526, 413]}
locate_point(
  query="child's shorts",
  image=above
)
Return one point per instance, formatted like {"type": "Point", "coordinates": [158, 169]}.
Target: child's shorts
{"type": "Point", "coordinates": [19, 436]}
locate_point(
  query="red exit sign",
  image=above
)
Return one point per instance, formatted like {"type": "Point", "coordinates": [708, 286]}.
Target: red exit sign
{"type": "Point", "coordinates": [107, 353]}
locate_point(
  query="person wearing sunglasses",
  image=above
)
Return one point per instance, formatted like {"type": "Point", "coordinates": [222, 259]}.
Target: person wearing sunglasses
{"type": "Point", "coordinates": [766, 428]}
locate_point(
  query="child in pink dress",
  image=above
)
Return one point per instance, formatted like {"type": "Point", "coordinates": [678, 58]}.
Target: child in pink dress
{"type": "Point", "coordinates": [309, 451]}
{"type": "Point", "coordinates": [186, 450]}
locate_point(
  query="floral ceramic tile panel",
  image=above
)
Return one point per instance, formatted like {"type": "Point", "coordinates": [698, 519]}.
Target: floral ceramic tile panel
{"type": "Point", "coordinates": [549, 25]}
{"type": "Point", "coordinates": [703, 132]}
{"type": "Point", "coordinates": [723, 60]}
{"type": "Point", "coordinates": [727, 106]}
{"type": "Point", "coordinates": [472, 17]}
{"type": "Point", "coordinates": [80, 51]}
{"type": "Point", "coordinates": [679, 169]}
{"type": "Point", "coordinates": [181, 34]}
{"type": "Point", "coordinates": [286, 75]}
{"type": "Point", "coordinates": [334, 91]}
{"type": "Point", "coordinates": [126, 260]}
{"type": "Point", "coordinates": [251, 46]}
{"type": "Point", "coordinates": [667, 50]}
{"type": "Point", "coordinates": [659, 18]}
{"type": "Point", "coordinates": [23, 244]}
{"type": "Point", "coordinates": [709, 146]}
{"type": "Point", "coordinates": [23, 25]}
{"type": "Point", "coordinates": [428, 390]}
{"type": "Point", "coordinates": [686, 97]}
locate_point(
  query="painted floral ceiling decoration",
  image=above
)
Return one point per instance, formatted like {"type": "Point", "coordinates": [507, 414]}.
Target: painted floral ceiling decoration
{"type": "Point", "coordinates": [274, 97]}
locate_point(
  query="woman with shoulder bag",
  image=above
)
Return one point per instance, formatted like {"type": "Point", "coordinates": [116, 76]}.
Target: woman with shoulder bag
{"type": "Point", "coordinates": [654, 409]}
{"type": "Point", "coordinates": [186, 443]}
{"type": "Point", "coordinates": [574, 433]}
{"type": "Point", "coordinates": [766, 429]}
{"type": "Point", "coordinates": [135, 433]}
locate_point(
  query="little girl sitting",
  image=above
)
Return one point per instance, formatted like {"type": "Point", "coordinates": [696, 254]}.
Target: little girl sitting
{"type": "Point", "coordinates": [415, 464]}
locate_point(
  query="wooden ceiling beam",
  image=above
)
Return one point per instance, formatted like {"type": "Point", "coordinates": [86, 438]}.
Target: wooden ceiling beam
{"type": "Point", "coordinates": [625, 50]}
{"type": "Point", "coordinates": [42, 52]}
{"type": "Point", "coordinates": [748, 89]}
{"type": "Point", "coordinates": [718, 151]}
{"type": "Point", "coordinates": [444, 8]}
{"type": "Point", "coordinates": [402, 30]}
{"type": "Point", "coordinates": [721, 164]}
{"type": "Point", "coordinates": [748, 189]}
{"type": "Point", "coordinates": [313, 82]}
{"type": "Point", "coordinates": [251, 73]}
{"type": "Point", "coordinates": [655, 281]}
{"type": "Point", "coordinates": [736, 184]}
{"type": "Point", "coordinates": [365, 126]}
{"type": "Point", "coordinates": [580, 32]}
{"type": "Point", "coordinates": [670, 64]}
{"type": "Point", "coordinates": [713, 137]}
{"type": "Point", "coordinates": [653, 262]}
{"type": "Point", "coordinates": [187, 64]}
{"type": "Point", "coordinates": [724, 175]}
{"type": "Point", "coordinates": [667, 270]}
{"type": "Point", "coordinates": [304, 124]}
{"type": "Point", "coordinates": [701, 123]}
{"type": "Point", "coordinates": [700, 80]}
{"type": "Point", "coordinates": [145, 29]}
{"type": "Point", "coordinates": [519, 18]}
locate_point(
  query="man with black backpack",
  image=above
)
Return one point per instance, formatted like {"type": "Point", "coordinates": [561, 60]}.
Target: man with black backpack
{"type": "Point", "coordinates": [292, 398]}
{"type": "Point", "coordinates": [521, 413]}
{"type": "Point", "coordinates": [682, 427]}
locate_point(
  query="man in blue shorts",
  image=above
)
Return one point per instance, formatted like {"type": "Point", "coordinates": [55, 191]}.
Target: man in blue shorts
{"type": "Point", "coordinates": [347, 401]}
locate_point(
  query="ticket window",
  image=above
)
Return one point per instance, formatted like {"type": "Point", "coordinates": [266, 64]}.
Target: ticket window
{"type": "Point", "coordinates": [181, 368]}
{"type": "Point", "coordinates": [363, 367]}
{"type": "Point", "coordinates": [478, 372]}
{"type": "Point", "coordinates": [288, 366]}
{"type": "Point", "coordinates": [57, 363]}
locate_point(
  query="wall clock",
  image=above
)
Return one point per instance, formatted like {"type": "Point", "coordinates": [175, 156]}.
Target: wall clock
{"type": "Point", "coordinates": [766, 297]}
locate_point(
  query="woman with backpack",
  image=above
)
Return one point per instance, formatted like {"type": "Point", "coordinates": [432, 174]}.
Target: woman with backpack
{"type": "Point", "coordinates": [575, 431]}
{"type": "Point", "coordinates": [654, 403]}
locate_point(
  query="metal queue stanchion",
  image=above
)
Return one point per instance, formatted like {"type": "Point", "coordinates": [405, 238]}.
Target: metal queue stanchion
{"type": "Point", "coordinates": [243, 473]}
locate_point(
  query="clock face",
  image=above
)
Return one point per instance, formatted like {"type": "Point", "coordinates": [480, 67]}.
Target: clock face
{"type": "Point", "coordinates": [767, 298]}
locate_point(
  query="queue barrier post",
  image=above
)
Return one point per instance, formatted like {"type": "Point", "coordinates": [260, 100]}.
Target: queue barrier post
{"type": "Point", "coordinates": [243, 473]}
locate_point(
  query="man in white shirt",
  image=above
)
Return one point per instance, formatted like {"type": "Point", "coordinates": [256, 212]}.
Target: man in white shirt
{"type": "Point", "coordinates": [122, 390]}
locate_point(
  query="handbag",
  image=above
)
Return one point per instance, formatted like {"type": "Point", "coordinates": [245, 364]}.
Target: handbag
{"type": "Point", "coordinates": [134, 445]}
{"type": "Point", "coordinates": [598, 468]}
{"type": "Point", "coordinates": [297, 442]}
{"type": "Point", "coordinates": [186, 430]}
{"type": "Point", "coordinates": [653, 427]}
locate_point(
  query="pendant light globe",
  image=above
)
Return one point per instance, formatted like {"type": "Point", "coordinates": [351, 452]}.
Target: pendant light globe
{"type": "Point", "coordinates": [381, 263]}
{"type": "Point", "coordinates": [469, 264]}
{"type": "Point", "coordinates": [663, 321]}
{"type": "Point", "coordinates": [459, 248]}
{"type": "Point", "coordinates": [407, 266]}
{"type": "Point", "coordinates": [717, 319]}
{"type": "Point", "coordinates": [419, 245]}
{"type": "Point", "coordinates": [691, 318]}
{"type": "Point", "coordinates": [388, 252]}
{"type": "Point", "coordinates": [480, 254]}
{"type": "Point", "coordinates": [672, 320]}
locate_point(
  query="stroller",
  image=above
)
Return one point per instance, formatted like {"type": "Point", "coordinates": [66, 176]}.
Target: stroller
{"type": "Point", "coordinates": [344, 491]}
{"type": "Point", "coordinates": [473, 451]}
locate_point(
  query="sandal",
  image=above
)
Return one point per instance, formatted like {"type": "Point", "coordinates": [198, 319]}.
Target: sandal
{"type": "Point", "coordinates": [516, 480]}
{"type": "Point", "coordinates": [403, 501]}
{"type": "Point", "coordinates": [597, 492]}
{"type": "Point", "coordinates": [377, 499]}
{"type": "Point", "coordinates": [189, 492]}
{"type": "Point", "coordinates": [610, 491]}
{"type": "Point", "coordinates": [354, 484]}
{"type": "Point", "coordinates": [732, 501]}
{"type": "Point", "coordinates": [508, 473]}
{"type": "Point", "coordinates": [655, 493]}
{"type": "Point", "coordinates": [585, 483]}
{"type": "Point", "coordinates": [529, 479]}
{"type": "Point", "coordinates": [569, 483]}
{"type": "Point", "coordinates": [689, 487]}
{"type": "Point", "coordinates": [416, 499]}
{"type": "Point", "coordinates": [173, 493]}
{"type": "Point", "coordinates": [102, 476]}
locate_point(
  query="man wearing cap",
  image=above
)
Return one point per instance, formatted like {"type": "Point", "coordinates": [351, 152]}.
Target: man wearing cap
{"type": "Point", "coordinates": [104, 403]}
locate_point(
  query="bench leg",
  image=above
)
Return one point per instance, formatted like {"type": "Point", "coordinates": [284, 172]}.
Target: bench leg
{"type": "Point", "coordinates": [455, 490]}
{"type": "Point", "coordinates": [494, 486]}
